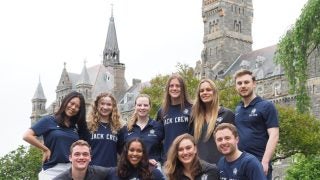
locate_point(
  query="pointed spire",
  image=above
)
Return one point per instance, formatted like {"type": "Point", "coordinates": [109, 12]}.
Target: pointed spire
{"type": "Point", "coordinates": [64, 79]}
{"type": "Point", "coordinates": [39, 94]}
{"type": "Point", "coordinates": [84, 77]}
{"type": "Point", "coordinates": [111, 51]}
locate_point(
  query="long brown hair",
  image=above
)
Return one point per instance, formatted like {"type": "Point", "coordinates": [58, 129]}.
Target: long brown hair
{"type": "Point", "coordinates": [94, 116]}
{"type": "Point", "coordinates": [124, 165]}
{"type": "Point", "coordinates": [199, 111]}
{"type": "Point", "coordinates": [134, 116]}
{"type": "Point", "coordinates": [79, 119]}
{"type": "Point", "coordinates": [173, 166]}
{"type": "Point", "coordinates": [184, 99]}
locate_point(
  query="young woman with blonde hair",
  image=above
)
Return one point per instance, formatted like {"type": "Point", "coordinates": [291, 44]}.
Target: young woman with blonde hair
{"type": "Point", "coordinates": [183, 162]}
{"type": "Point", "coordinates": [142, 126]}
{"type": "Point", "coordinates": [104, 124]}
{"type": "Point", "coordinates": [206, 115]}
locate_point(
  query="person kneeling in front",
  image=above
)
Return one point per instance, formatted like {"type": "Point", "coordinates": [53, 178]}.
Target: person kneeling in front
{"type": "Point", "coordinates": [80, 157]}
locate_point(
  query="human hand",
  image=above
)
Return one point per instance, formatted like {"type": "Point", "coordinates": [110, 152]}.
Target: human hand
{"type": "Point", "coordinates": [46, 155]}
{"type": "Point", "coordinates": [265, 166]}
{"type": "Point", "coordinates": [153, 162]}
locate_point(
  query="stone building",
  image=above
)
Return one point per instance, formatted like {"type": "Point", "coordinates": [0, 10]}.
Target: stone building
{"type": "Point", "coordinates": [228, 47]}
{"type": "Point", "coordinates": [108, 76]}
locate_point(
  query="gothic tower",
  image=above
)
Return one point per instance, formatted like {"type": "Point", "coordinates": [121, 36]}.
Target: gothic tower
{"type": "Point", "coordinates": [111, 53]}
{"type": "Point", "coordinates": [38, 104]}
{"type": "Point", "coordinates": [227, 34]}
{"type": "Point", "coordinates": [111, 58]}
{"type": "Point", "coordinates": [64, 87]}
{"type": "Point", "coordinates": [84, 86]}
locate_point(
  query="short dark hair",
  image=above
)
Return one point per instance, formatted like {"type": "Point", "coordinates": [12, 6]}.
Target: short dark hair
{"type": "Point", "coordinates": [229, 126]}
{"type": "Point", "coordinates": [242, 72]}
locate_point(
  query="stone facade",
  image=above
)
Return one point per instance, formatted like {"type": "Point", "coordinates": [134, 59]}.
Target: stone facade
{"type": "Point", "coordinates": [227, 48]}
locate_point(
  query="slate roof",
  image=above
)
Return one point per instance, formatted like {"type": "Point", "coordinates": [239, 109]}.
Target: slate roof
{"type": "Point", "coordinates": [260, 62]}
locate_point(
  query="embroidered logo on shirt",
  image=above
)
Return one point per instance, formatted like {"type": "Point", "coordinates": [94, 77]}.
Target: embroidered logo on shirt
{"type": "Point", "coordinates": [204, 177]}
{"type": "Point", "coordinates": [235, 171]}
{"type": "Point", "coordinates": [253, 112]}
{"type": "Point", "coordinates": [185, 111]}
{"type": "Point", "coordinates": [219, 119]}
{"type": "Point", "coordinates": [152, 132]}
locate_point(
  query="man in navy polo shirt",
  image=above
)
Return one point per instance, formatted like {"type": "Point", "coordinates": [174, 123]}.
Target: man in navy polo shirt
{"type": "Point", "coordinates": [256, 120]}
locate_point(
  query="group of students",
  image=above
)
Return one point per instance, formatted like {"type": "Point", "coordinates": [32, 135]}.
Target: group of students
{"type": "Point", "coordinates": [185, 141]}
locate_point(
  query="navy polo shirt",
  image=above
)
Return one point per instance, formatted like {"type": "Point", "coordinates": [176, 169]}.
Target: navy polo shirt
{"type": "Point", "coordinates": [56, 138]}
{"type": "Point", "coordinates": [246, 167]}
{"type": "Point", "coordinates": [133, 174]}
{"type": "Point", "coordinates": [253, 122]}
{"type": "Point", "coordinates": [151, 135]}
{"type": "Point", "coordinates": [175, 122]}
{"type": "Point", "coordinates": [104, 141]}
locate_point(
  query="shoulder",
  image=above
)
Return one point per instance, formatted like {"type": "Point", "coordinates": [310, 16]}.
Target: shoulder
{"type": "Point", "coordinates": [208, 167]}
{"type": "Point", "coordinates": [209, 170]}
{"type": "Point", "coordinates": [66, 175]}
{"type": "Point", "coordinates": [157, 174]}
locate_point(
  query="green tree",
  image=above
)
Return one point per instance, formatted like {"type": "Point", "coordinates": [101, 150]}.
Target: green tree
{"type": "Point", "coordinates": [305, 169]}
{"type": "Point", "coordinates": [227, 93]}
{"type": "Point", "coordinates": [294, 49]}
{"type": "Point", "coordinates": [22, 163]}
{"type": "Point", "coordinates": [299, 133]}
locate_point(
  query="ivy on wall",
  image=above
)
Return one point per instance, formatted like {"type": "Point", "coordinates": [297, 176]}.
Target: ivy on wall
{"type": "Point", "coordinates": [294, 49]}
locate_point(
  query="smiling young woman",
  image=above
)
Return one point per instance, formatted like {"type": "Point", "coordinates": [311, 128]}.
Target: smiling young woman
{"type": "Point", "coordinates": [134, 163]}
{"type": "Point", "coordinates": [183, 162]}
{"type": "Point", "coordinates": [59, 131]}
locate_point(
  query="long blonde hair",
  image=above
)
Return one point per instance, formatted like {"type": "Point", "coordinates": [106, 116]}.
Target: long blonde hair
{"type": "Point", "coordinates": [134, 116]}
{"type": "Point", "coordinates": [94, 116]}
{"type": "Point", "coordinates": [173, 166]}
{"type": "Point", "coordinates": [199, 110]}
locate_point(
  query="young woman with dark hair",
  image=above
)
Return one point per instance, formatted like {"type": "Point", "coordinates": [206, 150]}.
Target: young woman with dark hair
{"type": "Point", "coordinates": [134, 163]}
{"type": "Point", "coordinates": [59, 131]}
{"type": "Point", "coordinates": [183, 162]}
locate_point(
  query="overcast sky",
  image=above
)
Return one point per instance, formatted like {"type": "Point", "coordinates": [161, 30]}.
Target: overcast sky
{"type": "Point", "coordinates": [38, 36]}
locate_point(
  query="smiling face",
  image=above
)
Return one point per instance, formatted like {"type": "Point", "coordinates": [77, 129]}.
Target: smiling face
{"type": "Point", "coordinates": [174, 89]}
{"type": "Point", "coordinates": [142, 107]}
{"type": "Point", "coordinates": [73, 107]}
{"type": "Point", "coordinates": [226, 142]}
{"type": "Point", "coordinates": [245, 86]}
{"type": "Point", "coordinates": [135, 153]}
{"type": "Point", "coordinates": [105, 107]}
{"type": "Point", "coordinates": [206, 92]}
{"type": "Point", "coordinates": [80, 157]}
{"type": "Point", "coordinates": [186, 151]}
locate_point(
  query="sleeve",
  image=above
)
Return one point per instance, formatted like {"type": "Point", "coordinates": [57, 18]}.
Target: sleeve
{"type": "Point", "coordinates": [229, 116]}
{"type": "Point", "coordinates": [213, 172]}
{"type": "Point", "coordinates": [210, 170]}
{"type": "Point", "coordinates": [158, 118]}
{"type": "Point", "coordinates": [270, 115]}
{"type": "Point", "coordinates": [43, 125]}
{"type": "Point", "coordinates": [157, 174]}
{"type": "Point", "coordinates": [254, 170]}
{"type": "Point", "coordinates": [121, 139]}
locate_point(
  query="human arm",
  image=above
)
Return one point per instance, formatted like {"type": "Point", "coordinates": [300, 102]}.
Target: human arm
{"type": "Point", "coordinates": [30, 137]}
{"type": "Point", "coordinates": [270, 148]}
